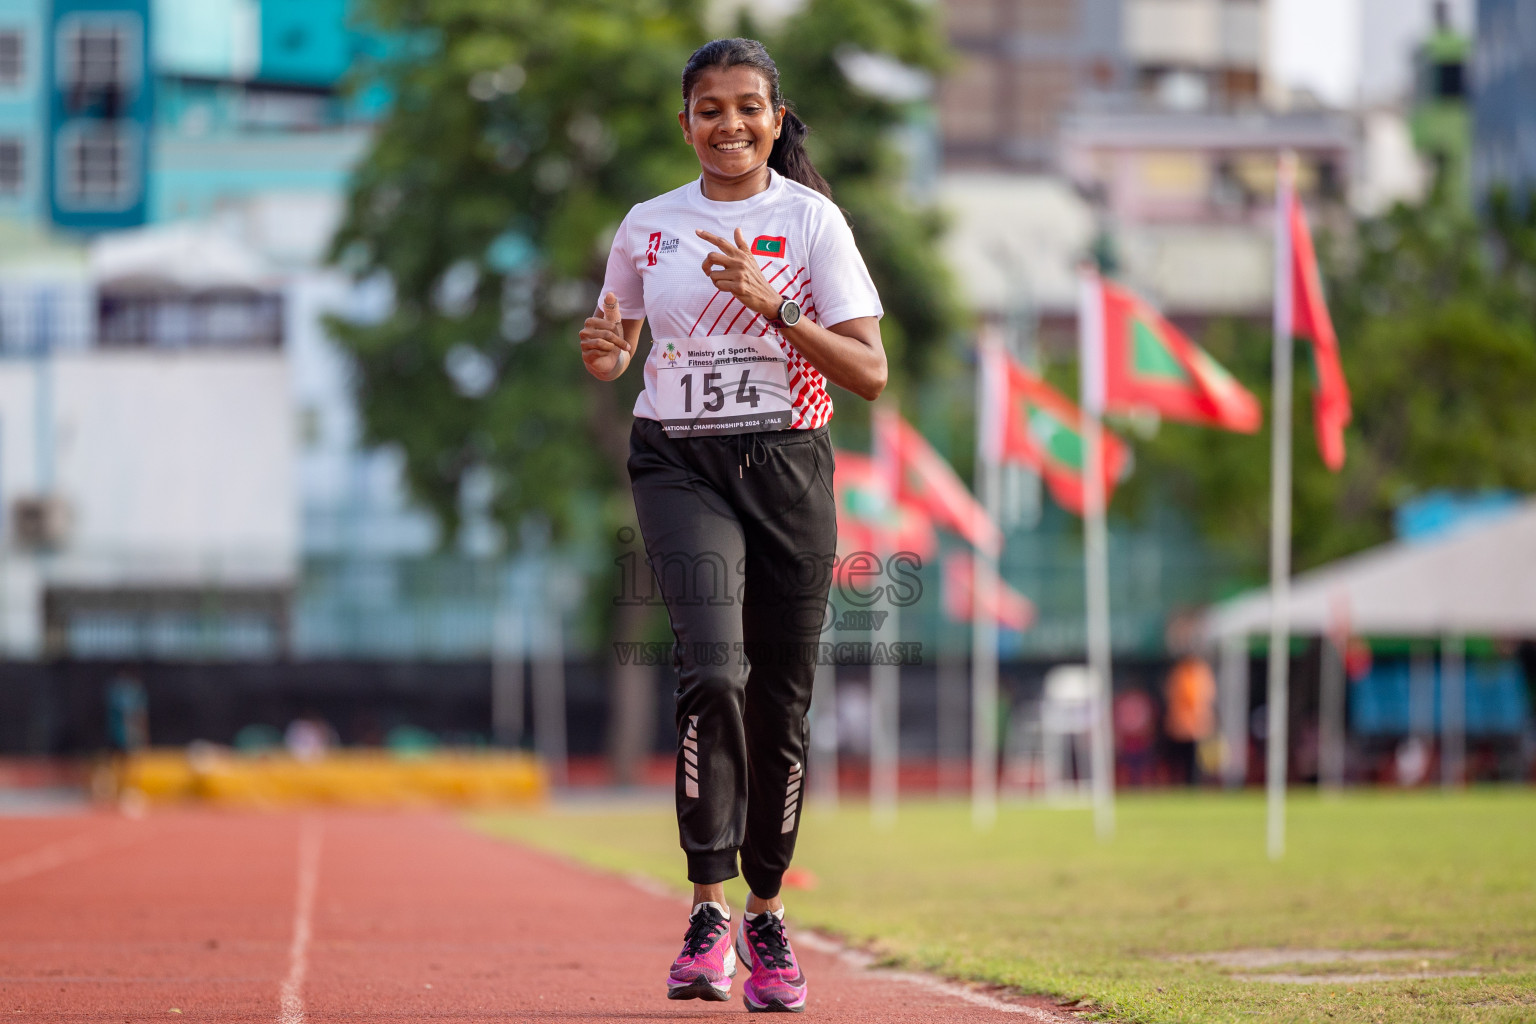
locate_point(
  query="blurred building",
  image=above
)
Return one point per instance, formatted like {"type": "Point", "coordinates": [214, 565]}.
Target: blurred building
{"type": "Point", "coordinates": [1158, 117]}
{"type": "Point", "coordinates": [1165, 119]}
{"type": "Point", "coordinates": [22, 119]}
{"type": "Point", "coordinates": [238, 512]}
{"type": "Point", "coordinates": [146, 437]}
{"type": "Point", "coordinates": [170, 172]}
{"type": "Point", "coordinates": [1504, 113]}
{"type": "Point", "coordinates": [1441, 116]}
{"type": "Point", "coordinates": [1019, 67]}
{"type": "Point", "coordinates": [1415, 106]}
{"type": "Point", "coordinates": [114, 113]}
{"type": "Point", "coordinates": [1391, 32]}
{"type": "Point", "coordinates": [1186, 200]}
{"type": "Point", "coordinates": [1023, 65]}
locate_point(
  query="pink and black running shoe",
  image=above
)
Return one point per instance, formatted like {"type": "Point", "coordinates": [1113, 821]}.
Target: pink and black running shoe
{"type": "Point", "coordinates": [775, 984]}
{"type": "Point", "coordinates": [703, 970]}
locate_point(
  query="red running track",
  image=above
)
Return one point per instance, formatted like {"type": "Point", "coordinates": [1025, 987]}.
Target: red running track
{"type": "Point", "coordinates": [339, 916]}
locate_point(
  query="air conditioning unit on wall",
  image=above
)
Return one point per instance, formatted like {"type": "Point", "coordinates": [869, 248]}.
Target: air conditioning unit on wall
{"type": "Point", "coordinates": [40, 522]}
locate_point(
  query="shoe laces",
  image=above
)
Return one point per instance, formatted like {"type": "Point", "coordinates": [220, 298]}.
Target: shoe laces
{"type": "Point", "coordinates": [702, 928]}
{"type": "Point", "coordinates": [772, 945]}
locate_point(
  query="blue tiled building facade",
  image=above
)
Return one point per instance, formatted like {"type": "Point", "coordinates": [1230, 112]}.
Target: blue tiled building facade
{"type": "Point", "coordinates": [1504, 99]}
{"type": "Point", "coordinates": [99, 93]}
{"type": "Point", "coordinates": [116, 113]}
{"type": "Point", "coordinates": [23, 116]}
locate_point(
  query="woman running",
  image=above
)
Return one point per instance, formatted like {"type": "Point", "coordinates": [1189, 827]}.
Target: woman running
{"type": "Point", "coordinates": [757, 296]}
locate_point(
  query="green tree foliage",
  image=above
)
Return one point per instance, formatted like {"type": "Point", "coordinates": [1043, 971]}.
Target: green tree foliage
{"type": "Point", "coordinates": [1436, 316]}
{"type": "Point", "coordinates": [851, 144]}
{"type": "Point", "coordinates": [520, 134]}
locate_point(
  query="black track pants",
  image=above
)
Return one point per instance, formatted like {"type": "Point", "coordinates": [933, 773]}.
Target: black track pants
{"type": "Point", "coordinates": [740, 532]}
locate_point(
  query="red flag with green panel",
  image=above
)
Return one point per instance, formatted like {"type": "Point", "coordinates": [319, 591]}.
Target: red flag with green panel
{"type": "Point", "coordinates": [869, 519]}
{"type": "Point", "coordinates": [1043, 429]}
{"type": "Point", "coordinates": [925, 481]}
{"type": "Point", "coordinates": [1010, 608]}
{"type": "Point", "coordinates": [1149, 364]}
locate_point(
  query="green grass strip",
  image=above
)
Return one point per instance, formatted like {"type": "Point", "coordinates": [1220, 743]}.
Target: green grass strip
{"type": "Point", "coordinates": [1040, 905]}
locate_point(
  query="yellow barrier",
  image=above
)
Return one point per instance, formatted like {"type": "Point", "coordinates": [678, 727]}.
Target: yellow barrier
{"type": "Point", "coordinates": [361, 778]}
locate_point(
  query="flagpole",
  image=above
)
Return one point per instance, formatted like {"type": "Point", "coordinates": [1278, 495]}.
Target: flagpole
{"type": "Point", "coordinates": [824, 724]}
{"type": "Point", "coordinates": [1096, 560]}
{"type": "Point", "coordinates": [983, 583]}
{"type": "Point", "coordinates": [1331, 699]}
{"type": "Point", "coordinates": [885, 701]}
{"type": "Point", "coordinates": [885, 676]}
{"type": "Point", "coordinates": [1280, 518]}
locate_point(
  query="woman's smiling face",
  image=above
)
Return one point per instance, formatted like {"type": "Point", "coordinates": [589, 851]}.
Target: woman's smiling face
{"type": "Point", "coordinates": [730, 122]}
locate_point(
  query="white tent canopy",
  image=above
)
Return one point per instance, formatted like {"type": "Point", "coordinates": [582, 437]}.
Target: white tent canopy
{"type": "Point", "coordinates": [1478, 580]}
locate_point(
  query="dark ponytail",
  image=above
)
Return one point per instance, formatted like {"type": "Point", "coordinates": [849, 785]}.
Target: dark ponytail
{"type": "Point", "coordinates": [789, 157]}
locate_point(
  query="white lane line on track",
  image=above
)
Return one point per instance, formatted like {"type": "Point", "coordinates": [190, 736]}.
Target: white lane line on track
{"type": "Point", "coordinates": [291, 999]}
{"type": "Point", "coordinates": [864, 962]}
{"type": "Point", "coordinates": [54, 855]}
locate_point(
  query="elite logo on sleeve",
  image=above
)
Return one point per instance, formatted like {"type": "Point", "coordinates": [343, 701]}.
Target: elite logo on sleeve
{"type": "Point", "coordinates": [769, 245]}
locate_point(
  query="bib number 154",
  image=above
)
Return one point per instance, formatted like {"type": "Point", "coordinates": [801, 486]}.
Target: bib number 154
{"type": "Point", "coordinates": [714, 394]}
{"type": "Point", "coordinates": [722, 384]}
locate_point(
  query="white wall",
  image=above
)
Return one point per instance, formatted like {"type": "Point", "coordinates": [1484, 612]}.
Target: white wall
{"type": "Point", "coordinates": [1199, 33]}
{"type": "Point", "coordinates": [21, 609]}
{"type": "Point", "coordinates": [1315, 47]}
{"type": "Point", "coordinates": [1390, 169]}
{"type": "Point", "coordinates": [178, 467]}
{"type": "Point", "coordinates": [1014, 241]}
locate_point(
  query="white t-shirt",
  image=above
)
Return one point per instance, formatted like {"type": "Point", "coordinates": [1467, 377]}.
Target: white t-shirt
{"type": "Point", "coordinates": [803, 246]}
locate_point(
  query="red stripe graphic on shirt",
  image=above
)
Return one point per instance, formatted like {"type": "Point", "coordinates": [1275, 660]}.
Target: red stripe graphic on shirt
{"type": "Point", "coordinates": [785, 287]}
{"type": "Point", "coordinates": [727, 306]}
{"type": "Point", "coordinates": [723, 310]}
{"type": "Point", "coordinates": [711, 302]}
{"type": "Point", "coordinates": [808, 398]}
{"type": "Point", "coordinates": [814, 407]}
{"type": "Point", "coordinates": [728, 326]}
{"type": "Point", "coordinates": [798, 292]}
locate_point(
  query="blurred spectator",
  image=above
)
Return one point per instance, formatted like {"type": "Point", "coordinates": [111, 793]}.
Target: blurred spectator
{"type": "Point", "coordinates": [258, 739]}
{"type": "Point", "coordinates": [1135, 716]}
{"type": "Point", "coordinates": [1191, 696]}
{"type": "Point", "coordinates": [410, 741]}
{"type": "Point", "coordinates": [853, 717]}
{"type": "Point", "coordinates": [1412, 761]}
{"type": "Point", "coordinates": [127, 715]}
{"type": "Point", "coordinates": [308, 739]}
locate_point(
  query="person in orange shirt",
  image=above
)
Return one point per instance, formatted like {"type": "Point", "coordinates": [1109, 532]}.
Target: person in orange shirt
{"type": "Point", "coordinates": [1191, 700]}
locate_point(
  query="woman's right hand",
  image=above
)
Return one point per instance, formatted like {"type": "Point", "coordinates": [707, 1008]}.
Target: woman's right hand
{"type": "Point", "coordinates": [604, 348]}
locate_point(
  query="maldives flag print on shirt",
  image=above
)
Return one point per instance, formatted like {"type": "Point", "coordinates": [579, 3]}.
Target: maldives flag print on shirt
{"type": "Point", "coordinates": [763, 245]}
{"type": "Point", "coordinates": [802, 245]}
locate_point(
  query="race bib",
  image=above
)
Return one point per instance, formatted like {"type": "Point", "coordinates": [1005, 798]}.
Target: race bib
{"type": "Point", "coordinates": [721, 384]}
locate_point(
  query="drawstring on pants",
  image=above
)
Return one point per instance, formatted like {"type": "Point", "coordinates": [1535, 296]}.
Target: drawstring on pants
{"type": "Point", "coordinates": [757, 443]}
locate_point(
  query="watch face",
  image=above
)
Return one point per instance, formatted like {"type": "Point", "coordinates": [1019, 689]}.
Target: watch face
{"type": "Point", "coordinates": [789, 312]}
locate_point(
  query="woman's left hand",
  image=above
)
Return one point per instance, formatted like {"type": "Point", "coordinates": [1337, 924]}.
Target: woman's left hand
{"type": "Point", "coordinates": [734, 269]}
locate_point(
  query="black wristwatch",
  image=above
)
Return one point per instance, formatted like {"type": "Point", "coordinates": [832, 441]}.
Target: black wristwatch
{"type": "Point", "coordinates": [789, 315]}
